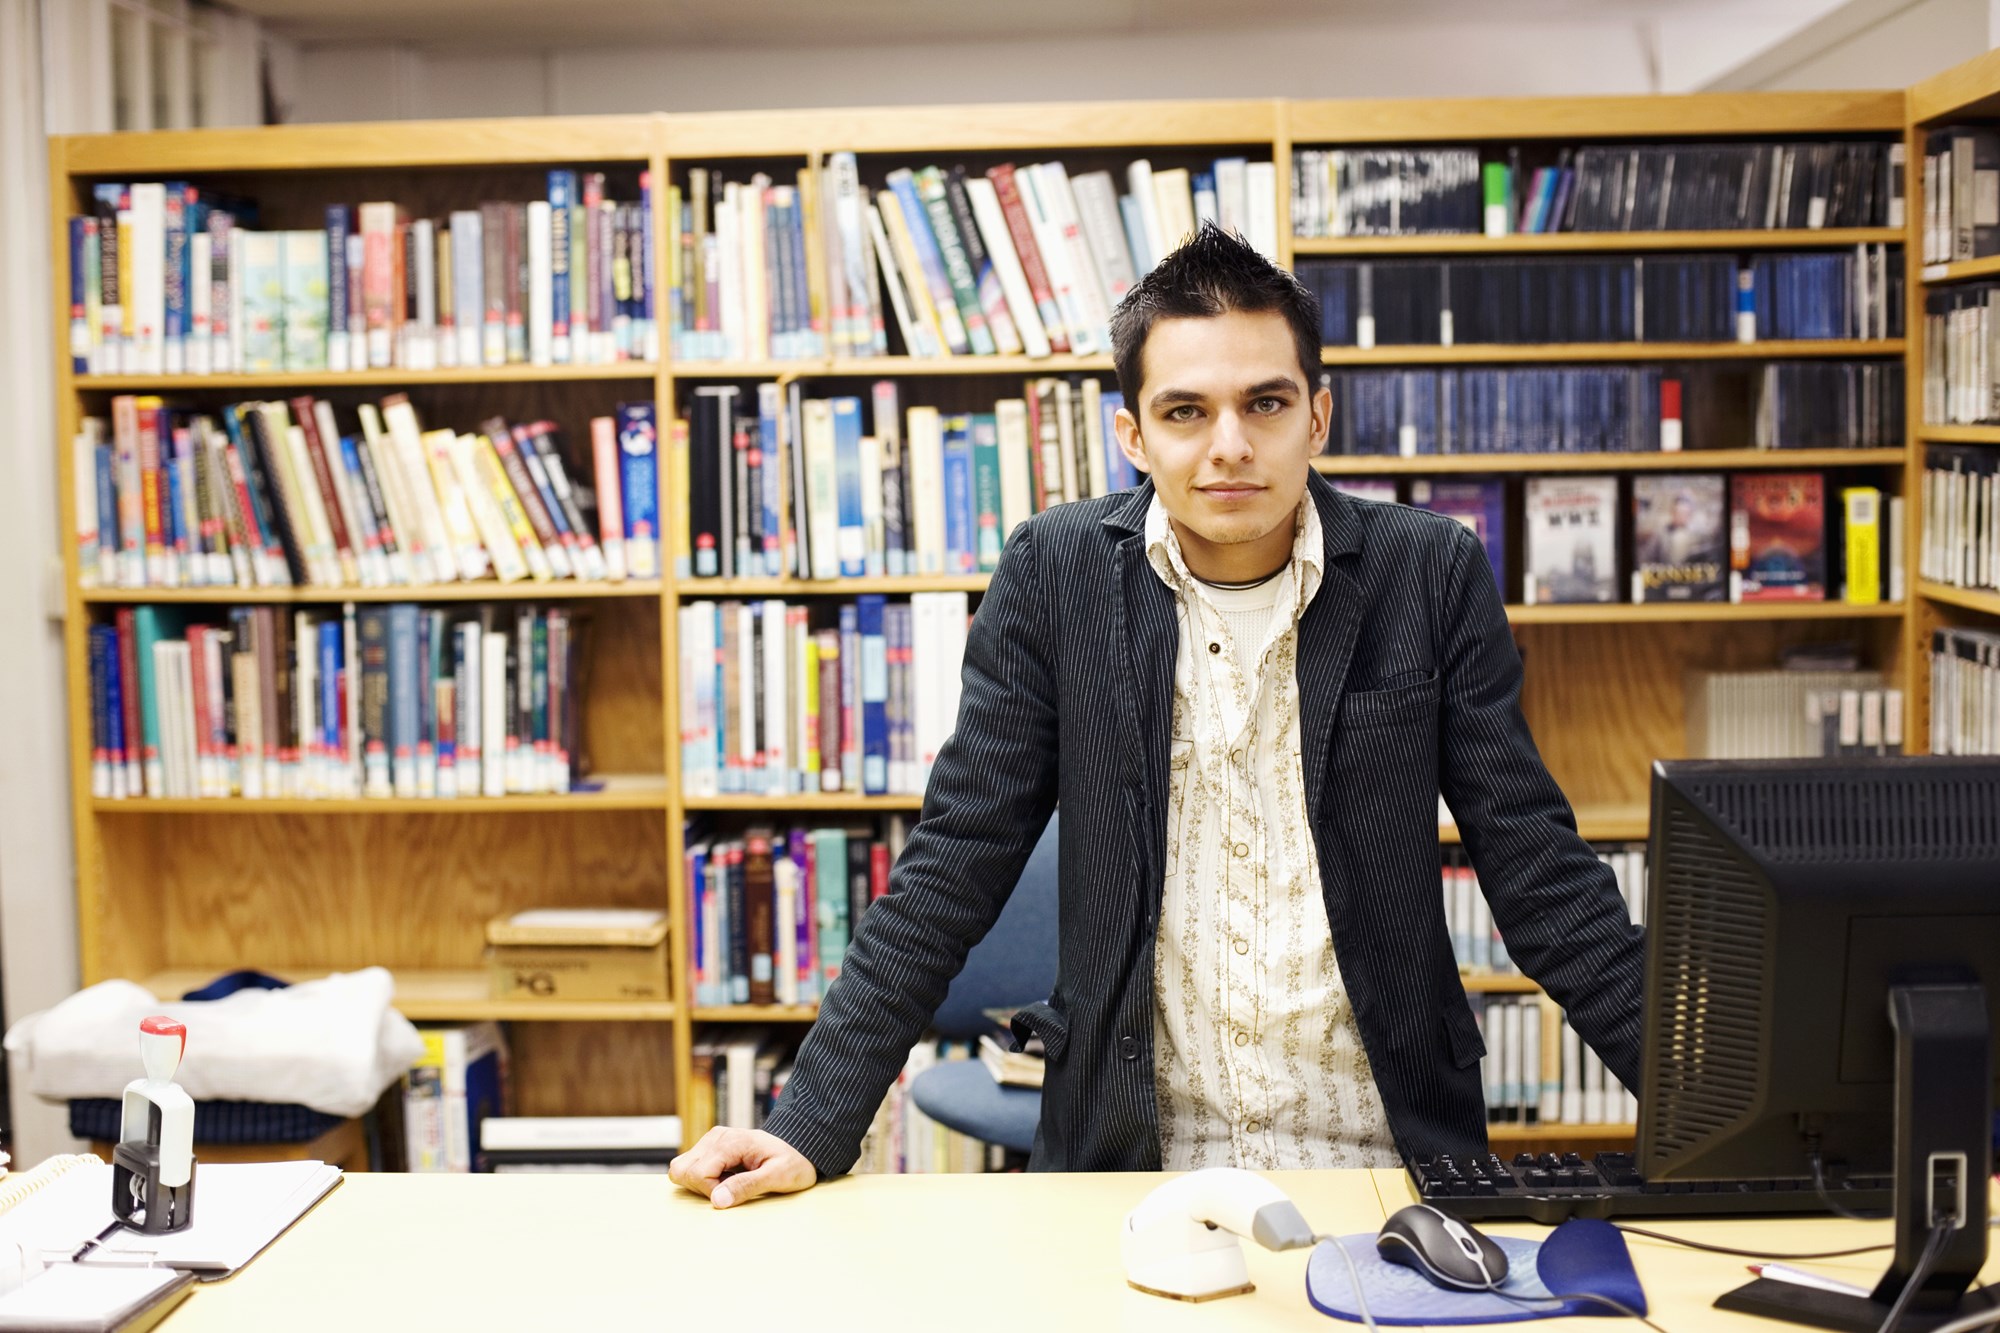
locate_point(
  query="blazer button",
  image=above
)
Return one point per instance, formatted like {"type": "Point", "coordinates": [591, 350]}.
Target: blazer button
{"type": "Point", "coordinates": [1128, 1048]}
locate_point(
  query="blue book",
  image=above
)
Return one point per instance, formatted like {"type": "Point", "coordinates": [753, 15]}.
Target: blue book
{"type": "Point", "coordinates": [868, 609]}
{"type": "Point", "coordinates": [917, 220]}
{"type": "Point", "coordinates": [80, 332]}
{"type": "Point", "coordinates": [108, 534]}
{"type": "Point", "coordinates": [1135, 234]}
{"type": "Point", "coordinates": [1119, 473]}
{"type": "Point", "coordinates": [339, 222]}
{"type": "Point", "coordinates": [405, 722]}
{"type": "Point", "coordinates": [102, 655]}
{"type": "Point", "coordinates": [639, 479]}
{"type": "Point", "coordinates": [961, 555]}
{"type": "Point", "coordinates": [562, 198]}
{"type": "Point", "coordinates": [642, 271]}
{"type": "Point", "coordinates": [332, 661]}
{"type": "Point", "coordinates": [853, 545]}
{"type": "Point", "coordinates": [770, 406]}
{"type": "Point", "coordinates": [175, 534]}
{"type": "Point", "coordinates": [829, 895]}
{"type": "Point", "coordinates": [795, 852]}
{"type": "Point", "coordinates": [174, 276]}
{"type": "Point", "coordinates": [697, 887]}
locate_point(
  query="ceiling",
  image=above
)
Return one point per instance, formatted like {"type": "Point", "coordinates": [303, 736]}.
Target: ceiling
{"type": "Point", "coordinates": [528, 25]}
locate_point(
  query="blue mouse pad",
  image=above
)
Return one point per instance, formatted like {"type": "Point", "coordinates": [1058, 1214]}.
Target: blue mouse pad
{"type": "Point", "coordinates": [1581, 1258]}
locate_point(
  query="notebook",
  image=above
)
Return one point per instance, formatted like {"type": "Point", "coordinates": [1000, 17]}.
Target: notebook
{"type": "Point", "coordinates": [129, 1280]}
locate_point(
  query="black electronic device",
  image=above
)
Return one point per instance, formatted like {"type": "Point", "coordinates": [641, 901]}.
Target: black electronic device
{"type": "Point", "coordinates": [1446, 1251]}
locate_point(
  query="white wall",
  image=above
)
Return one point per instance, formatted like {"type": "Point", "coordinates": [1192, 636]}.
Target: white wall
{"type": "Point", "coordinates": [375, 82]}
{"type": "Point", "coordinates": [1873, 44]}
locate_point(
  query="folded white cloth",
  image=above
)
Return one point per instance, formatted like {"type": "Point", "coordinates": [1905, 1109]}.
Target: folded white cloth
{"type": "Point", "coordinates": [333, 1044]}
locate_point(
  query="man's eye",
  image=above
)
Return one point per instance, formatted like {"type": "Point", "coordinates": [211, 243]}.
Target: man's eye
{"type": "Point", "coordinates": [1185, 412]}
{"type": "Point", "coordinates": [1269, 406]}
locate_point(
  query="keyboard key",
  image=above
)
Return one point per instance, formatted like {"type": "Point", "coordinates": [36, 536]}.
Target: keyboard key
{"type": "Point", "coordinates": [1524, 1160]}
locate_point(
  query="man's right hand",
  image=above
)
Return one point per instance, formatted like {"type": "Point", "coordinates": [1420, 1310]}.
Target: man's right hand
{"type": "Point", "coordinates": [729, 1166]}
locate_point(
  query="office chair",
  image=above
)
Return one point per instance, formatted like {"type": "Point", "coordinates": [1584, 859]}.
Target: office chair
{"type": "Point", "coordinates": [1014, 965]}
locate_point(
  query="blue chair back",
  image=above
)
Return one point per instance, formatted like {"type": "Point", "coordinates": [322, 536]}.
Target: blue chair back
{"type": "Point", "coordinates": [1016, 963]}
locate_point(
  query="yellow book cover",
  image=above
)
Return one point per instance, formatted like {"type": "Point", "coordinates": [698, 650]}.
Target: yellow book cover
{"type": "Point", "coordinates": [1862, 507]}
{"type": "Point", "coordinates": [677, 488]}
{"type": "Point", "coordinates": [816, 286]}
{"type": "Point", "coordinates": [486, 461]}
{"type": "Point", "coordinates": [918, 291]}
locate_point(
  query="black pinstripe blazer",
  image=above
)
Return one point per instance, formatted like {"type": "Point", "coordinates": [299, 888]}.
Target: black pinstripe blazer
{"type": "Point", "coordinates": [1409, 686]}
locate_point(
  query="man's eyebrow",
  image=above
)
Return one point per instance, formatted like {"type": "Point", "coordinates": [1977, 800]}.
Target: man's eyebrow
{"type": "Point", "coordinates": [1176, 397]}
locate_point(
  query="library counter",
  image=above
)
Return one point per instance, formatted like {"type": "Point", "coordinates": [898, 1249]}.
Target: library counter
{"type": "Point", "coordinates": [1036, 1252]}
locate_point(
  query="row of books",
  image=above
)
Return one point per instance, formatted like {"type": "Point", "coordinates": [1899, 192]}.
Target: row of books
{"type": "Point", "coordinates": [1599, 188]}
{"type": "Point", "coordinates": [1961, 164]}
{"type": "Point", "coordinates": [1965, 691]}
{"type": "Point", "coordinates": [1962, 354]}
{"type": "Point", "coordinates": [1695, 537]}
{"type": "Point", "coordinates": [274, 494]}
{"type": "Point", "coordinates": [781, 483]}
{"type": "Point", "coordinates": [773, 909]}
{"type": "Point", "coordinates": [171, 278]}
{"type": "Point", "coordinates": [1537, 1070]}
{"type": "Point", "coordinates": [1961, 506]}
{"type": "Point", "coordinates": [781, 698]}
{"type": "Point", "coordinates": [1615, 409]}
{"type": "Point", "coordinates": [1475, 940]}
{"type": "Point", "coordinates": [1792, 714]}
{"type": "Point", "coordinates": [450, 1095]}
{"type": "Point", "coordinates": [390, 700]}
{"type": "Point", "coordinates": [1855, 293]}
{"type": "Point", "coordinates": [1017, 260]}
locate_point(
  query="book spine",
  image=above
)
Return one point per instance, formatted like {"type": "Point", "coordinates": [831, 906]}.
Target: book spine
{"type": "Point", "coordinates": [1021, 229]}
{"type": "Point", "coordinates": [638, 477]}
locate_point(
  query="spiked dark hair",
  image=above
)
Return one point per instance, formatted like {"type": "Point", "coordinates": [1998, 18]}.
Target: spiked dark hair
{"type": "Point", "coordinates": [1214, 273]}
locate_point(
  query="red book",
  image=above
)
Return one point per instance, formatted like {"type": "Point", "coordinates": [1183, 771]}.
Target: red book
{"type": "Point", "coordinates": [1670, 416]}
{"type": "Point", "coordinates": [302, 414]}
{"type": "Point", "coordinates": [1030, 254]}
{"type": "Point", "coordinates": [878, 870]}
{"type": "Point", "coordinates": [151, 489]}
{"type": "Point", "coordinates": [760, 901]}
{"type": "Point", "coordinates": [128, 686]}
{"type": "Point", "coordinates": [1777, 537]}
{"type": "Point", "coordinates": [204, 750]}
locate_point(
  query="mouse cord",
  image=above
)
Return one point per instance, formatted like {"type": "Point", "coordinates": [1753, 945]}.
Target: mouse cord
{"type": "Point", "coordinates": [1529, 1303]}
{"type": "Point", "coordinates": [1825, 1197]}
{"type": "Point", "coordinates": [1360, 1299]}
{"type": "Point", "coordinates": [1933, 1251]}
{"type": "Point", "coordinates": [1650, 1234]}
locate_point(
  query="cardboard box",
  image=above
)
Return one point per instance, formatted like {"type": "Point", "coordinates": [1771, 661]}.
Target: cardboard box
{"type": "Point", "coordinates": [578, 955]}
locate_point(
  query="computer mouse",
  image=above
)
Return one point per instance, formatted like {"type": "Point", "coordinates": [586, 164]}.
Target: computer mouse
{"type": "Point", "coordinates": [1445, 1250]}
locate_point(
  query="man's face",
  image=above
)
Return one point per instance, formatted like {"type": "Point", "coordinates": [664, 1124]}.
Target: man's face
{"type": "Point", "coordinates": [1227, 426]}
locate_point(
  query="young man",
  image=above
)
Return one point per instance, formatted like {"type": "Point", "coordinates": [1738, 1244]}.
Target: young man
{"type": "Point", "coordinates": [1247, 691]}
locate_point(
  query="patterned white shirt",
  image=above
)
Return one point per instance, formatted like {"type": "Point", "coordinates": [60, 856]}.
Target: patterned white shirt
{"type": "Point", "coordinates": [1258, 1059]}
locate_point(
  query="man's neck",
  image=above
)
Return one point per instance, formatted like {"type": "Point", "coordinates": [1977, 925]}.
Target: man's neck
{"type": "Point", "coordinates": [1235, 562]}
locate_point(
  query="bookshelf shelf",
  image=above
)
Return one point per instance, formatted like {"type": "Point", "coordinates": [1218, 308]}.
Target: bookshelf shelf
{"type": "Point", "coordinates": [806, 803]}
{"type": "Point", "coordinates": [1983, 600]}
{"type": "Point", "coordinates": [1493, 353]}
{"type": "Point", "coordinates": [1693, 460]}
{"type": "Point", "coordinates": [689, 589]}
{"type": "Point", "coordinates": [1617, 822]}
{"type": "Point", "coordinates": [757, 1013]}
{"type": "Point", "coordinates": [1476, 983]}
{"type": "Point", "coordinates": [557, 591]}
{"type": "Point", "coordinates": [634, 371]}
{"type": "Point", "coordinates": [1672, 613]}
{"type": "Point", "coordinates": [878, 366]}
{"type": "Point", "coordinates": [1566, 242]}
{"type": "Point", "coordinates": [620, 792]}
{"type": "Point", "coordinates": [1968, 270]}
{"type": "Point", "coordinates": [441, 996]}
{"type": "Point", "coordinates": [1960, 434]}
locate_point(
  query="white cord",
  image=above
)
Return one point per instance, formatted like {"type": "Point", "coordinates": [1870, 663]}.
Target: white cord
{"type": "Point", "coordinates": [1360, 1298]}
{"type": "Point", "coordinates": [1982, 1319]}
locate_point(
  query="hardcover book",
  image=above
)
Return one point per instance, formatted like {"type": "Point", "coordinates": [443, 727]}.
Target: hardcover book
{"type": "Point", "coordinates": [1777, 537]}
{"type": "Point", "coordinates": [1678, 538]}
{"type": "Point", "coordinates": [1572, 553]}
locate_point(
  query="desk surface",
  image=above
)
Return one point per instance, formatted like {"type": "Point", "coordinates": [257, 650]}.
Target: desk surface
{"type": "Point", "coordinates": [1036, 1252]}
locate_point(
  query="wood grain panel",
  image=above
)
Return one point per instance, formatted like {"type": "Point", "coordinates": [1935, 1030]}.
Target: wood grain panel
{"type": "Point", "coordinates": [328, 148]}
{"type": "Point", "coordinates": [403, 890]}
{"type": "Point", "coordinates": [1458, 120]}
{"type": "Point", "coordinates": [624, 729]}
{"type": "Point", "coordinates": [591, 1068]}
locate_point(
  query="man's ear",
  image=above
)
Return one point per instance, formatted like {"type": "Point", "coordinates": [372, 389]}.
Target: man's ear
{"type": "Point", "coordinates": [1126, 426]}
{"type": "Point", "coordinates": [1322, 418]}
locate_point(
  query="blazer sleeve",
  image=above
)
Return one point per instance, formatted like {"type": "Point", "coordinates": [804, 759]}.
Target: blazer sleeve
{"type": "Point", "coordinates": [1557, 905]}
{"type": "Point", "coordinates": [991, 791]}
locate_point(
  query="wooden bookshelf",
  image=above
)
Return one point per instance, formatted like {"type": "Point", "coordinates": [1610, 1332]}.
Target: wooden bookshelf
{"type": "Point", "coordinates": [1983, 600]}
{"type": "Point", "coordinates": [1936, 434]}
{"type": "Point", "coordinates": [175, 892]}
{"type": "Point", "coordinates": [1692, 460]}
{"type": "Point", "coordinates": [1967, 270]}
{"type": "Point", "coordinates": [1581, 242]}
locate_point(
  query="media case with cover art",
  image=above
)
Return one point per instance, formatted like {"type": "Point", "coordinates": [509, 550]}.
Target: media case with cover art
{"type": "Point", "coordinates": [1777, 537]}
{"type": "Point", "coordinates": [1679, 538]}
{"type": "Point", "coordinates": [1480, 505]}
{"type": "Point", "coordinates": [1572, 540]}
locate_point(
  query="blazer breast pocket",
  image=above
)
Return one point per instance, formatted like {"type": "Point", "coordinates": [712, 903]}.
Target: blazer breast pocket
{"type": "Point", "coordinates": [1412, 696]}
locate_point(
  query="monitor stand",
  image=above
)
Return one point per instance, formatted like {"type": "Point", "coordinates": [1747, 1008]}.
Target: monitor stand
{"type": "Point", "coordinates": [1944, 1161]}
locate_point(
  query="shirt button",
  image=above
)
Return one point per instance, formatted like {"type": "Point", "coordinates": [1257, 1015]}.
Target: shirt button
{"type": "Point", "coordinates": [1215, 647]}
{"type": "Point", "coordinates": [1242, 1039]}
{"type": "Point", "coordinates": [1128, 1048]}
{"type": "Point", "coordinates": [1241, 947]}
{"type": "Point", "coordinates": [1243, 849]}
{"type": "Point", "coordinates": [1252, 1128]}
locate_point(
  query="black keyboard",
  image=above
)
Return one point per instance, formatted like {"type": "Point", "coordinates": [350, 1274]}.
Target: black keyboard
{"type": "Point", "coordinates": [1550, 1187]}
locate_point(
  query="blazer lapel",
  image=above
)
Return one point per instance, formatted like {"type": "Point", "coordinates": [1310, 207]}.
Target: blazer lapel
{"type": "Point", "coordinates": [1146, 637]}
{"type": "Point", "coordinates": [1327, 634]}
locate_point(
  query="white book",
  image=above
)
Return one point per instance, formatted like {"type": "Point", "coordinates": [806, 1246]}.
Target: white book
{"type": "Point", "coordinates": [914, 334]}
{"type": "Point", "coordinates": [924, 456]}
{"type": "Point", "coordinates": [218, 766]}
{"type": "Point", "coordinates": [489, 524]}
{"type": "Point", "coordinates": [1594, 1108]}
{"type": "Point", "coordinates": [1515, 1076]}
{"type": "Point", "coordinates": [823, 496]}
{"type": "Point", "coordinates": [1104, 228]}
{"type": "Point", "coordinates": [493, 722]}
{"type": "Point", "coordinates": [799, 641]}
{"type": "Point", "coordinates": [92, 567]}
{"type": "Point", "coordinates": [1572, 1075]}
{"type": "Point", "coordinates": [1094, 297]}
{"type": "Point", "coordinates": [756, 278]}
{"type": "Point", "coordinates": [694, 770]}
{"type": "Point", "coordinates": [357, 313]}
{"type": "Point", "coordinates": [305, 700]}
{"type": "Point", "coordinates": [1173, 196]}
{"type": "Point", "coordinates": [1482, 930]}
{"type": "Point", "coordinates": [785, 923]}
{"type": "Point", "coordinates": [455, 504]}
{"type": "Point", "coordinates": [1017, 494]}
{"type": "Point", "coordinates": [471, 708]}
{"type": "Point", "coordinates": [1547, 1065]}
{"type": "Point", "coordinates": [776, 688]}
{"type": "Point", "coordinates": [147, 352]}
{"type": "Point", "coordinates": [410, 561]}
{"type": "Point", "coordinates": [1260, 184]}
{"type": "Point", "coordinates": [872, 554]}
{"type": "Point", "coordinates": [1139, 184]}
{"type": "Point", "coordinates": [1093, 436]}
{"type": "Point", "coordinates": [468, 285]}
{"type": "Point", "coordinates": [1232, 204]}
{"type": "Point", "coordinates": [992, 222]}
{"type": "Point", "coordinates": [199, 342]}
{"type": "Point", "coordinates": [730, 312]}
{"type": "Point", "coordinates": [1056, 260]}
{"type": "Point", "coordinates": [190, 761]}
{"type": "Point", "coordinates": [541, 311]}
{"type": "Point", "coordinates": [322, 556]}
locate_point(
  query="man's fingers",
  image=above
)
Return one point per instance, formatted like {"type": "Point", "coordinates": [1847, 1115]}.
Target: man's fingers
{"type": "Point", "coordinates": [701, 1167]}
{"type": "Point", "coordinates": [778, 1175]}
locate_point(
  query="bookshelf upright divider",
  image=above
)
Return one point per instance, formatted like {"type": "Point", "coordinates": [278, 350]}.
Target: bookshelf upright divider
{"type": "Point", "coordinates": [1603, 693]}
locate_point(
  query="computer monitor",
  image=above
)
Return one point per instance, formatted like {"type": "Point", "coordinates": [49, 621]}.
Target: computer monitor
{"type": "Point", "coordinates": [1823, 980]}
